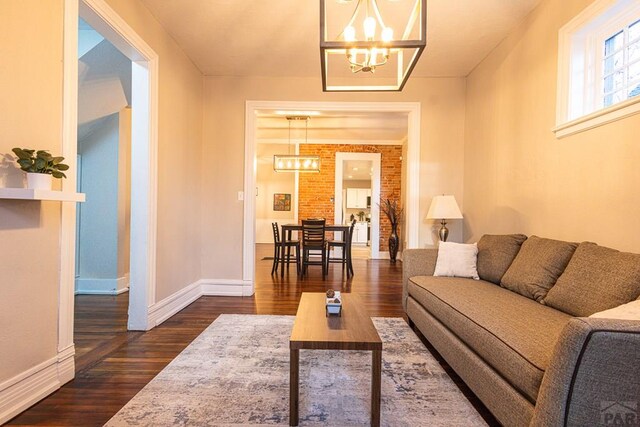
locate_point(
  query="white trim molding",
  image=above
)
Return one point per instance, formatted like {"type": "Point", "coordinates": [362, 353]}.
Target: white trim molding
{"type": "Point", "coordinates": [227, 287]}
{"type": "Point", "coordinates": [602, 117]}
{"type": "Point", "coordinates": [162, 310]}
{"type": "Point", "coordinates": [31, 386]}
{"type": "Point", "coordinates": [412, 200]}
{"type": "Point", "coordinates": [579, 104]}
{"type": "Point", "coordinates": [86, 286]}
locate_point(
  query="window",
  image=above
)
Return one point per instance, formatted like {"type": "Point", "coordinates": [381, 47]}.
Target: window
{"type": "Point", "coordinates": [621, 65]}
{"type": "Point", "coordinates": [599, 66]}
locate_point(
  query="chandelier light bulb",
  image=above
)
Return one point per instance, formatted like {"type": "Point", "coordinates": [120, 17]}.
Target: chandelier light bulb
{"type": "Point", "coordinates": [314, 164]}
{"type": "Point", "coordinates": [280, 164]}
{"type": "Point", "coordinates": [349, 34]}
{"type": "Point", "coordinates": [289, 164]}
{"type": "Point", "coordinates": [370, 27]}
{"type": "Point", "coordinates": [387, 35]}
{"type": "Point", "coordinates": [352, 55]}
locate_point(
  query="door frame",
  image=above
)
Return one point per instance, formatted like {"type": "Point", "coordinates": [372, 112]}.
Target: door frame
{"type": "Point", "coordinates": [376, 159]}
{"type": "Point", "coordinates": [412, 205]}
{"type": "Point", "coordinates": [144, 156]}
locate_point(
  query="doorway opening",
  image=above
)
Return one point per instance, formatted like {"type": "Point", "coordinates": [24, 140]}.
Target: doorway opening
{"type": "Point", "coordinates": [104, 175]}
{"type": "Point", "coordinates": [330, 136]}
{"type": "Point", "coordinates": [142, 64]}
{"type": "Point", "coordinates": [357, 191]}
{"type": "Point", "coordinates": [104, 171]}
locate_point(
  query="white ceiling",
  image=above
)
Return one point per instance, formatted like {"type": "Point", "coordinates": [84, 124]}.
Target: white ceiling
{"type": "Point", "coordinates": [281, 37]}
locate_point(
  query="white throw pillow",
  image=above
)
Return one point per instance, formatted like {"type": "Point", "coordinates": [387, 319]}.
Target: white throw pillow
{"type": "Point", "coordinates": [457, 260]}
{"type": "Point", "coordinates": [628, 311]}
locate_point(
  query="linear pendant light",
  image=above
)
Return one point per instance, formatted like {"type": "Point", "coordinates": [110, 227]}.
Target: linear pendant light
{"type": "Point", "coordinates": [364, 54]}
{"type": "Point", "coordinates": [294, 162]}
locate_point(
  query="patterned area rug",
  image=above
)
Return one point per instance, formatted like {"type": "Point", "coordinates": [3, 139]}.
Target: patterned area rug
{"type": "Point", "coordinates": [237, 373]}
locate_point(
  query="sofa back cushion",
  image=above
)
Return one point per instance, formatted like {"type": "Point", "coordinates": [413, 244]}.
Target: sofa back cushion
{"type": "Point", "coordinates": [596, 279]}
{"type": "Point", "coordinates": [537, 266]}
{"type": "Point", "coordinates": [496, 253]}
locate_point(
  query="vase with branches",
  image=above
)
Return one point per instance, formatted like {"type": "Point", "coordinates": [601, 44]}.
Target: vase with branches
{"type": "Point", "coordinates": [394, 213]}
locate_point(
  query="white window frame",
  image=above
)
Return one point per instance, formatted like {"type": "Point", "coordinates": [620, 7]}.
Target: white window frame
{"type": "Point", "coordinates": [580, 68]}
{"type": "Point", "coordinates": [621, 26]}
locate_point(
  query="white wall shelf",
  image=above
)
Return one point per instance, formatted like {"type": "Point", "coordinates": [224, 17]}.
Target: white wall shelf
{"type": "Point", "coordinates": [28, 194]}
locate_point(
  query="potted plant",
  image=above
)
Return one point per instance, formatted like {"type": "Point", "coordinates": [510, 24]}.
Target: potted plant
{"type": "Point", "coordinates": [394, 213]}
{"type": "Point", "coordinates": [40, 167]}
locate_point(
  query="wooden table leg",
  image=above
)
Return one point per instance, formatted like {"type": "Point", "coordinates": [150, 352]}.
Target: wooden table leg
{"type": "Point", "coordinates": [294, 376]}
{"type": "Point", "coordinates": [376, 381]}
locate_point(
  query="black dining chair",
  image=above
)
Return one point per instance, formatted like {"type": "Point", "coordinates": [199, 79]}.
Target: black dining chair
{"type": "Point", "coordinates": [285, 253]}
{"type": "Point", "coordinates": [313, 240]}
{"type": "Point", "coordinates": [345, 245]}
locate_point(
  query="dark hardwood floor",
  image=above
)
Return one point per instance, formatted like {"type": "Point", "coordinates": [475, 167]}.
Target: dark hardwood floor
{"type": "Point", "coordinates": [112, 364]}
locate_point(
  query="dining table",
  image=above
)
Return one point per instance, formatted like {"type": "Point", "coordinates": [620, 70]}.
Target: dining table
{"type": "Point", "coordinates": [287, 229]}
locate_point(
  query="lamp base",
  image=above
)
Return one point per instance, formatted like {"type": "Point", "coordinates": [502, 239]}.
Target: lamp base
{"type": "Point", "coordinates": [444, 231]}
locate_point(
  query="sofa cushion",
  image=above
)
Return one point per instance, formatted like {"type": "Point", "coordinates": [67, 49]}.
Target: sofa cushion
{"type": "Point", "coordinates": [457, 260]}
{"type": "Point", "coordinates": [496, 253]}
{"type": "Point", "coordinates": [596, 279]}
{"type": "Point", "coordinates": [513, 334]}
{"type": "Point", "coordinates": [537, 266]}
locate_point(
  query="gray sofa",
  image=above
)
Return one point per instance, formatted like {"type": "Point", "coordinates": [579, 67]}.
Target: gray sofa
{"type": "Point", "coordinates": [521, 338]}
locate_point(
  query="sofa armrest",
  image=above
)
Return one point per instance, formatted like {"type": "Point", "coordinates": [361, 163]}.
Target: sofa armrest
{"type": "Point", "coordinates": [593, 375]}
{"type": "Point", "coordinates": [416, 262]}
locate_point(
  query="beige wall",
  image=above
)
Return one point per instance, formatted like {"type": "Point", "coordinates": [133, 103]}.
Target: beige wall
{"type": "Point", "coordinates": [518, 177]}
{"type": "Point", "coordinates": [441, 160]}
{"type": "Point", "coordinates": [31, 116]}
{"type": "Point", "coordinates": [269, 183]}
{"type": "Point", "coordinates": [179, 162]}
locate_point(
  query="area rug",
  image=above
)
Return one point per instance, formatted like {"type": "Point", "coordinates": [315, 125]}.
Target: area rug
{"type": "Point", "coordinates": [237, 373]}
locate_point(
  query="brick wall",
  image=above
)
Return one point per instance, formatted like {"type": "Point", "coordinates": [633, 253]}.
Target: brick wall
{"type": "Point", "coordinates": [317, 189]}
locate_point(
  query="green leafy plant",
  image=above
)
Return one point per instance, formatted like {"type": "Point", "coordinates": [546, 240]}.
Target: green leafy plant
{"type": "Point", "coordinates": [40, 161]}
{"type": "Point", "coordinates": [391, 209]}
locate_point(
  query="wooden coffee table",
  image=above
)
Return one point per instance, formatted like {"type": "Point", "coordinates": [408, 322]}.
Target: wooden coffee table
{"type": "Point", "coordinates": [354, 330]}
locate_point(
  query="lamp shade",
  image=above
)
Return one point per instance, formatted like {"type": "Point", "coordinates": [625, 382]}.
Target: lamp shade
{"type": "Point", "coordinates": [444, 207]}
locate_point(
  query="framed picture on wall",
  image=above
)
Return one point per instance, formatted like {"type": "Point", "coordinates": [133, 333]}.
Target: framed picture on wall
{"type": "Point", "coordinates": [281, 202]}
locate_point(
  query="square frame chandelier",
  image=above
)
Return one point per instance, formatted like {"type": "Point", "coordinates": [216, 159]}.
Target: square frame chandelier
{"type": "Point", "coordinates": [364, 43]}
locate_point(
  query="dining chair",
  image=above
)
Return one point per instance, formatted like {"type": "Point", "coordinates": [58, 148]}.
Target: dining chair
{"type": "Point", "coordinates": [313, 239]}
{"type": "Point", "coordinates": [279, 251]}
{"type": "Point", "coordinates": [345, 245]}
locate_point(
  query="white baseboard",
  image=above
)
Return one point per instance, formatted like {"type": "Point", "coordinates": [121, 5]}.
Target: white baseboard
{"type": "Point", "coordinates": [122, 284]}
{"type": "Point", "coordinates": [29, 387]}
{"type": "Point", "coordinates": [102, 286]}
{"type": "Point", "coordinates": [223, 287]}
{"type": "Point", "coordinates": [162, 310]}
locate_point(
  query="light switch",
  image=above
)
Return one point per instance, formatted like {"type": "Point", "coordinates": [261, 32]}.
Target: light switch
{"type": "Point", "coordinates": [240, 195]}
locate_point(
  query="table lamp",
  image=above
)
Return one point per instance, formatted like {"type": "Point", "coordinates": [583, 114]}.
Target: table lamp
{"type": "Point", "coordinates": [443, 208]}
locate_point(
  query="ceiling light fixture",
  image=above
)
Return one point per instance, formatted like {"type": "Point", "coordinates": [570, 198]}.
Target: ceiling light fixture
{"type": "Point", "coordinates": [294, 162]}
{"type": "Point", "coordinates": [366, 43]}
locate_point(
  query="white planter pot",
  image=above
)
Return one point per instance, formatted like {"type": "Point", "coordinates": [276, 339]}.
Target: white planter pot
{"type": "Point", "coordinates": [39, 181]}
